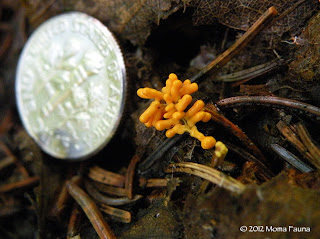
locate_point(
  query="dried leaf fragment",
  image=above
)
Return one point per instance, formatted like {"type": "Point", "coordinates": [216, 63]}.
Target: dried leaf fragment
{"type": "Point", "coordinates": [240, 14]}
{"type": "Point", "coordinates": [132, 19]}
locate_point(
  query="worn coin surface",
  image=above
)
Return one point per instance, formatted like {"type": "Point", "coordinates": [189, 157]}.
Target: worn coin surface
{"type": "Point", "coordinates": [70, 86]}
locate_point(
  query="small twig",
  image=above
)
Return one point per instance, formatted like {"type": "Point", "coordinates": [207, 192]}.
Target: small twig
{"type": "Point", "coordinates": [103, 176]}
{"type": "Point", "coordinates": [307, 141]}
{"type": "Point", "coordinates": [118, 214]}
{"type": "Point", "coordinates": [28, 182]}
{"type": "Point", "coordinates": [91, 210]}
{"type": "Point", "coordinates": [130, 175]}
{"type": "Point", "coordinates": [270, 100]}
{"type": "Point", "coordinates": [109, 200]}
{"type": "Point", "coordinates": [226, 56]}
{"type": "Point", "coordinates": [291, 136]}
{"type": "Point", "coordinates": [209, 174]}
{"type": "Point", "coordinates": [234, 129]}
{"type": "Point", "coordinates": [291, 158]}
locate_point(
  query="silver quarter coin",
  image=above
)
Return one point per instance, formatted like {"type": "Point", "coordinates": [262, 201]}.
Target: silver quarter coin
{"type": "Point", "coordinates": [70, 86]}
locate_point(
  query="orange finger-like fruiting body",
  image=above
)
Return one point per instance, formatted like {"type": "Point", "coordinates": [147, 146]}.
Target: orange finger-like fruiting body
{"type": "Point", "coordinates": [196, 118]}
{"type": "Point", "coordinates": [167, 111]}
{"type": "Point", "coordinates": [166, 124]}
{"type": "Point", "coordinates": [150, 111]}
{"type": "Point", "coordinates": [175, 90]}
{"type": "Point", "coordinates": [197, 106]}
{"type": "Point", "coordinates": [178, 115]}
{"type": "Point", "coordinates": [183, 102]}
{"type": "Point", "coordinates": [188, 88]}
{"type": "Point", "coordinates": [177, 129]}
{"type": "Point", "coordinates": [149, 93]}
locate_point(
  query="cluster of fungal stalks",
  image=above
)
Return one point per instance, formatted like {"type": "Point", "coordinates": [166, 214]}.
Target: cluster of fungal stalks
{"type": "Point", "coordinates": [167, 111]}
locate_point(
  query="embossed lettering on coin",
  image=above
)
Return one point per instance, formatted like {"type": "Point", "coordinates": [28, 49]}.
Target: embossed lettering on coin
{"type": "Point", "coordinates": [70, 86]}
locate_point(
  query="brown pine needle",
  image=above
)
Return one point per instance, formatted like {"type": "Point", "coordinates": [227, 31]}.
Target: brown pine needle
{"type": "Point", "coordinates": [225, 57]}
{"type": "Point", "coordinates": [91, 210]}
{"type": "Point", "coordinates": [94, 193]}
{"type": "Point", "coordinates": [28, 182]}
{"type": "Point", "coordinates": [111, 190]}
{"type": "Point", "coordinates": [153, 182]}
{"type": "Point", "coordinates": [103, 176]}
{"type": "Point", "coordinates": [270, 100]}
{"type": "Point", "coordinates": [128, 183]}
{"type": "Point", "coordinates": [209, 174]}
{"type": "Point", "coordinates": [118, 214]}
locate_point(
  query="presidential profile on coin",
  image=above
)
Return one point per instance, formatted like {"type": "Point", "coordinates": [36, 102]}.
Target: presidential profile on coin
{"type": "Point", "coordinates": [70, 86]}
